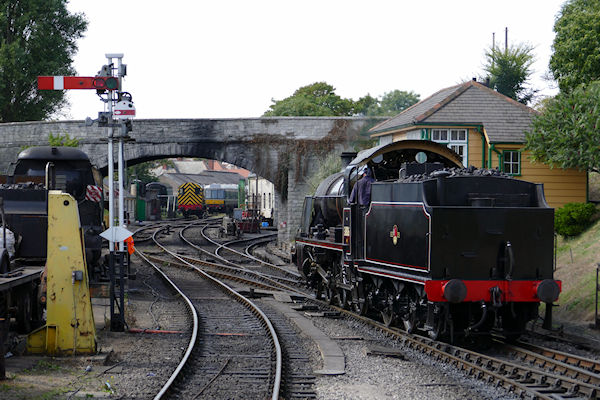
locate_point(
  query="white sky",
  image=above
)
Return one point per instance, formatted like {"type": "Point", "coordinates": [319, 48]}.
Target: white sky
{"type": "Point", "coordinates": [220, 59]}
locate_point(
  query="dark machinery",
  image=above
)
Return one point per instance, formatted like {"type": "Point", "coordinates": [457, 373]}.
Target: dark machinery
{"type": "Point", "coordinates": [62, 168]}
{"type": "Point", "coordinates": [440, 248]}
{"type": "Point", "coordinates": [161, 190]}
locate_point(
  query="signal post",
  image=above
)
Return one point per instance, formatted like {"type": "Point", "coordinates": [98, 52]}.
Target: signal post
{"type": "Point", "coordinates": [118, 112]}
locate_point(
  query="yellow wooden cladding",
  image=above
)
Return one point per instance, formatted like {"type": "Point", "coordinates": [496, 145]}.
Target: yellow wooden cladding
{"type": "Point", "coordinates": [561, 186]}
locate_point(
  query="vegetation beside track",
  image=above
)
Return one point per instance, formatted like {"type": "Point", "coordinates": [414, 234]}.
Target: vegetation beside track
{"type": "Point", "coordinates": [577, 259]}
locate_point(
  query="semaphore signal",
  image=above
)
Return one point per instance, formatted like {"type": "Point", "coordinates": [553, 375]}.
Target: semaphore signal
{"type": "Point", "coordinates": [79, 82]}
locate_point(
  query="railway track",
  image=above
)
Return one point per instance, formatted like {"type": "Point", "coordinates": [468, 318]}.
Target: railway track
{"type": "Point", "coordinates": [530, 377]}
{"type": "Point", "coordinates": [533, 372]}
{"type": "Point", "coordinates": [225, 345]}
{"type": "Point", "coordinates": [241, 256]}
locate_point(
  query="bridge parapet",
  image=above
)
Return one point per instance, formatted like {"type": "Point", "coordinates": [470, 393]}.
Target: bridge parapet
{"type": "Point", "coordinates": [285, 150]}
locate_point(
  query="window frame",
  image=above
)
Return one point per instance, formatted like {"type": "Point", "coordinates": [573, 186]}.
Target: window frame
{"type": "Point", "coordinates": [464, 143]}
{"type": "Point", "coordinates": [518, 163]}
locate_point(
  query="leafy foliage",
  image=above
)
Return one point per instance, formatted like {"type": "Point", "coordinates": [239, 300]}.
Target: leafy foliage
{"type": "Point", "coordinates": [567, 133]}
{"type": "Point", "coordinates": [392, 103]}
{"type": "Point", "coordinates": [318, 99]}
{"type": "Point", "coordinates": [331, 164]}
{"type": "Point", "coordinates": [142, 171]}
{"type": "Point", "coordinates": [576, 57]}
{"type": "Point", "coordinates": [62, 140]}
{"type": "Point", "coordinates": [573, 218]}
{"type": "Point", "coordinates": [509, 71]}
{"type": "Point", "coordinates": [37, 37]}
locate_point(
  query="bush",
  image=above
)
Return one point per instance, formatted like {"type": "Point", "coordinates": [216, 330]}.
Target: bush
{"type": "Point", "coordinates": [573, 218]}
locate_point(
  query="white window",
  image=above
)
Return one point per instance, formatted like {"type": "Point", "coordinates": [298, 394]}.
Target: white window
{"type": "Point", "coordinates": [455, 139]}
{"type": "Point", "coordinates": [512, 162]}
{"type": "Point", "coordinates": [439, 135]}
{"type": "Point", "coordinates": [459, 149]}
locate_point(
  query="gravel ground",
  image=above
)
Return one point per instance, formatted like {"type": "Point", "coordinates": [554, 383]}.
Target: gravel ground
{"type": "Point", "coordinates": [132, 364]}
{"type": "Point", "coordinates": [128, 366]}
{"type": "Point", "coordinates": [370, 377]}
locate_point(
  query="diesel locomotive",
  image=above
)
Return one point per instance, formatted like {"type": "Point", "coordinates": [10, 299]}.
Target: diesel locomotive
{"type": "Point", "coordinates": [440, 248]}
{"type": "Point", "coordinates": [190, 199]}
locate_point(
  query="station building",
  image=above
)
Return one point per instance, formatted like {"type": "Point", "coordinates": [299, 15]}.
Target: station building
{"type": "Point", "coordinates": [487, 129]}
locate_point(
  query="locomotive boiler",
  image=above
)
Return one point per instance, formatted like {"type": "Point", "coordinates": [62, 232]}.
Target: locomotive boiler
{"type": "Point", "coordinates": [448, 250]}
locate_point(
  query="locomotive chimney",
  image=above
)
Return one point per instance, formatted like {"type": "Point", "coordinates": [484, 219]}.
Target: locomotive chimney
{"type": "Point", "coordinates": [347, 156]}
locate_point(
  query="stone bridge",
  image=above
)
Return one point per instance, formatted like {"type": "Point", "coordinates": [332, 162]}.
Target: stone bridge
{"type": "Point", "coordinates": [284, 150]}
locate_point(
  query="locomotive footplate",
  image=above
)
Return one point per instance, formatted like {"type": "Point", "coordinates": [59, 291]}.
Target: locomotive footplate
{"type": "Point", "coordinates": [327, 244]}
{"type": "Point", "coordinates": [391, 273]}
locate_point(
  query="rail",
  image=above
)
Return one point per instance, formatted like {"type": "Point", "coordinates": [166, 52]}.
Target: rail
{"type": "Point", "coordinates": [257, 311]}
{"type": "Point", "coordinates": [194, 335]}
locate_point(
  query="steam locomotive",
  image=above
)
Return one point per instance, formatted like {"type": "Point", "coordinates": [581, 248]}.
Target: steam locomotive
{"type": "Point", "coordinates": [450, 251]}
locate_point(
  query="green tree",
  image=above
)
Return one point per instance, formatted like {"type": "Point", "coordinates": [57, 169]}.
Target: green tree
{"type": "Point", "coordinates": [142, 171]}
{"type": "Point", "coordinates": [37, 37]}
{"type": "Point", "coordinates": [576, 57]}
{"type": "Point", "coordinates": [509, 71]}
{"type": "Point", "coordinates": [365, 103]}
{"type": "Point", "coordinates": [318, 99]}
{"type": "Point", "coordinates": [393, 103]}
{"type": "Point", "coordinates": [567, 133]}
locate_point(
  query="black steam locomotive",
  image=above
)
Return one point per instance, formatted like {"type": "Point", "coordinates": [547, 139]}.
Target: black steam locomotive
{"type": "Point", "coordinates": [440, 248]}
{"type": "Point", "coordinates": [61, 168]}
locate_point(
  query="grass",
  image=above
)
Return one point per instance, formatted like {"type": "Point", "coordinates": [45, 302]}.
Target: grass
{"type": "Point", "coordinates": [577, 259]}
{"type": "Point", "coordinates": [43, 367]}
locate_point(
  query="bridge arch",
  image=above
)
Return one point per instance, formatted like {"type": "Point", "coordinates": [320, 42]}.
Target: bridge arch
{"type": "Point", "coordinates": [284, 150]}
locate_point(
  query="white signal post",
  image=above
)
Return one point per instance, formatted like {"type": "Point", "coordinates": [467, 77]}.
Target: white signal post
{"type": "Point", "coordinates": [106, 82]}
{"type": "Point", "coordinates": [118, 113]}
{"type": "Point", "coordinates": [110, 134]}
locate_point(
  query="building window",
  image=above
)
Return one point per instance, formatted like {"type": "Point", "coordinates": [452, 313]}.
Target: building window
{"type": "Point", "coordinates": [512, 162]}
{"type": "Point", "coordinates": [455, 139]}
{"type": "Point", "coordinates": [439, 135]}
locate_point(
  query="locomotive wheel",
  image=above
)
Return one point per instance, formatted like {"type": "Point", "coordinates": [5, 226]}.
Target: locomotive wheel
{"type": "Point", "coordinates": [437, 329]}
{"type": "Point", "coordinates": [388, 315]}
{"type": "Point", "coordinates": [340, 298]}
{"type": "Point", "coordinates": [324, 292]}
{"type": "Point", "coordinates": [359, 302]}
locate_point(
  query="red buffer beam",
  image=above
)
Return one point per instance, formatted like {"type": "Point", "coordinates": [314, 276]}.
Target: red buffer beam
{"type": "Point", "coordinates": [78, 82]}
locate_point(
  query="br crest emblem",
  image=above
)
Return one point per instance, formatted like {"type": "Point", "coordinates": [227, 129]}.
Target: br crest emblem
{"type": "Point", "coordinates": [394, 234]}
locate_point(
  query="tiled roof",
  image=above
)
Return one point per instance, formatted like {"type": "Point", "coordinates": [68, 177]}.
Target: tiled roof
{"type": "Point", "coordinates": [503, 119]}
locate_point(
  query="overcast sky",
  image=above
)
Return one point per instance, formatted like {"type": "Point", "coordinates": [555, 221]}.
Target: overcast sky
{"type": "Point", "coordinates": [228, 59]}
